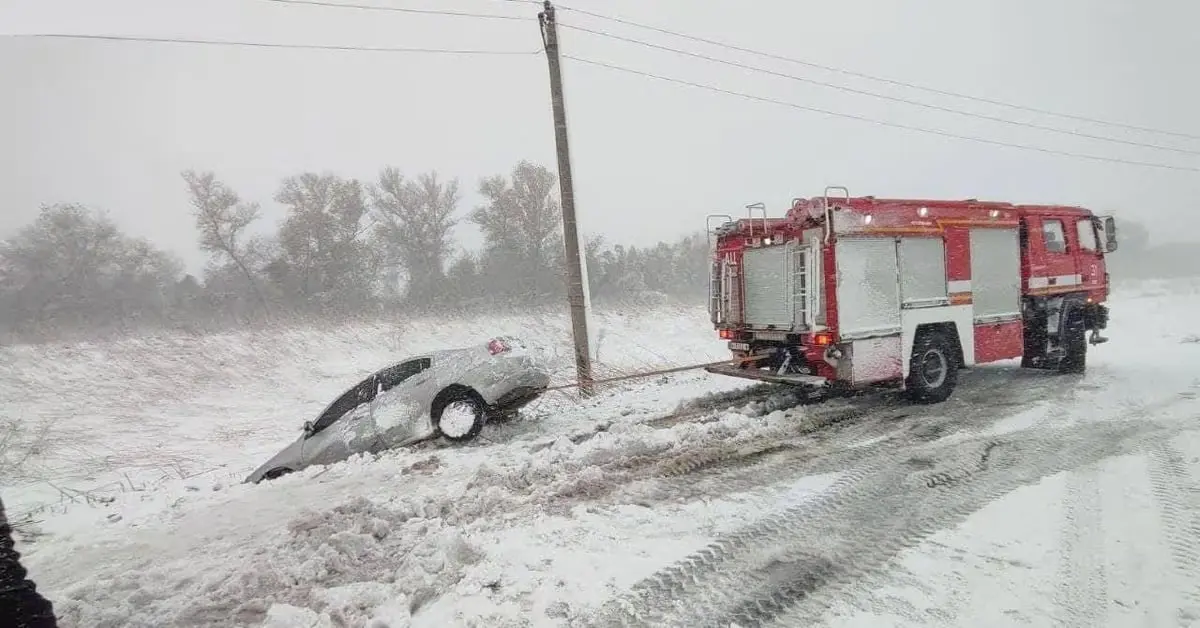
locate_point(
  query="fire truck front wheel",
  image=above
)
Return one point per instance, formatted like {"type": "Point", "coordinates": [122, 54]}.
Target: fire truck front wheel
{"type": "Point", "coordinates": [1074, 343]}
{"type": "Point", "coordinates": [932, 371]}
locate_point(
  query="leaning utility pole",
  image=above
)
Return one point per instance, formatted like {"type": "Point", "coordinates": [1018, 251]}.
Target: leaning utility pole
{"type": "Point", "coordinates": [576, 291]}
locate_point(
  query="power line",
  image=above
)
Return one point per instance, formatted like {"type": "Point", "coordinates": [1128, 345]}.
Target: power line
{"type": "Point", "coordinates": [374, 7]}
{"type": "Point", "coordinates": [861, 92]}
{"type": "Point", "coordinates": [880, 122]}
{"type": "Point", "coordinates": [257, 44]}
{"type": "Point", "coordinates": [881, 79]}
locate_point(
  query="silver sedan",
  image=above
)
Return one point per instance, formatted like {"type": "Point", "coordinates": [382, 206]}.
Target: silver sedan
{"type": "Point", "coordinates": [448, 393]}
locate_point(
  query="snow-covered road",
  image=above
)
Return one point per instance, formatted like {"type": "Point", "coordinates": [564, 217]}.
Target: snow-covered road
{"type": "Point", "coordinates": [687, 500]}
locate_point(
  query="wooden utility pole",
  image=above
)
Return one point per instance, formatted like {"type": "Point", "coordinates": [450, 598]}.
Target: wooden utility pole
{"type": "Point", "coordinates": [576, 291]}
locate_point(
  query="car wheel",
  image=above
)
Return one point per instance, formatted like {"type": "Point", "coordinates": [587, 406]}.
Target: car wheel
{"type": "Point", "coordinates": [277, 473]}
{"type": "Point", "coordinates": [458, 415]}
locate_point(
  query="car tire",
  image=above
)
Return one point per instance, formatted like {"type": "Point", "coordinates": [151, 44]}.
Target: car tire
{"type": "Point", "coordinates": [275, 474]}
{"type": "Point", "coordinates": [932, 371]}
{"type": "Point", "coordinates": [463, 404]}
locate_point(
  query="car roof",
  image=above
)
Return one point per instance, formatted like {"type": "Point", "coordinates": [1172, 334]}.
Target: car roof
{"type": "Point", "coordinates": [432, 356]}
{"type": "Point", "coordinates": [435, 356]}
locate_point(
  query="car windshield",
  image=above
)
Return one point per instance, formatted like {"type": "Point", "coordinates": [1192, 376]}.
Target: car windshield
{"type": "Point", "coordinates": [362, 393]}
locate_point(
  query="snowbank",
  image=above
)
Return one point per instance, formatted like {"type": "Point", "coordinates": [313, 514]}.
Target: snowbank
{"type": "Point", "coordinates": [536, 523]}
{"type": "Point", "coordinates": [127, 415]}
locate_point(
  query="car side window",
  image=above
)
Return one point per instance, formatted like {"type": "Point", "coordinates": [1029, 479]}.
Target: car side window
{"type": "Point", "coordinates": [362, 393]}
{"type": "Point", "coordinates": [1087, 235]}
{"type": "Point", "coordinates": [392, 376]}
{"type": "Point", "coordinates": [1054, 236]}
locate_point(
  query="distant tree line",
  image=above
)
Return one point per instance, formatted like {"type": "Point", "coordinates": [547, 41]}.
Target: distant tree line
{"type": "Point", "coordinates": [349, 248]}
{"type": "Point", "coordinates": [345, 248]}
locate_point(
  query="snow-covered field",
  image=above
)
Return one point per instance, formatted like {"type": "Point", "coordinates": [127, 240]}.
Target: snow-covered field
{"type": "Point", "coordinates": [679, 500]}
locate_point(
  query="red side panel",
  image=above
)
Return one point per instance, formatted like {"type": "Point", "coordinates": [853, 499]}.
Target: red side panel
{"type": "Point", "coordinates": [999, 341]}
{"type": "Point", "coordinates": [829, 285]}
{"type": "Point", "coordinates": [958, 254]}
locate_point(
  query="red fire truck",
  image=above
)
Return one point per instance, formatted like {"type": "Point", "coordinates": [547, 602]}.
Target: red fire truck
{"type": "Point", "coordinates": [849, 293]}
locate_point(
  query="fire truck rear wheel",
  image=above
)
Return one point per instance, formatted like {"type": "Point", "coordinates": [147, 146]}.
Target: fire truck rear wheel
{"type": "Point", "coordinates": [932, 370]}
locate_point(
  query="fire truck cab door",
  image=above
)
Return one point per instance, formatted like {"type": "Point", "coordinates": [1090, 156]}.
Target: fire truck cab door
{"type": "Point", "coordinates": [1052, 266]}
{"type": "Point", "coordinates": [1090, 257]}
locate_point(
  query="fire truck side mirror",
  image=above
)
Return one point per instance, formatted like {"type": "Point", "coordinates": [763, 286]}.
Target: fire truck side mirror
{"type": "Point", "coordinates": [1109, 230]}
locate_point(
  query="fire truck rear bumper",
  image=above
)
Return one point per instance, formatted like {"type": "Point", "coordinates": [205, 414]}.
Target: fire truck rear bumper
{"type": "Point", "coordinates": [811, 381]}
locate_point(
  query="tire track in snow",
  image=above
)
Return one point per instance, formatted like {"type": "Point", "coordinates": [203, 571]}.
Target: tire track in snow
{"type": "Point", "coordinates": [1082, 592]}
{"type": "Point", "coordinates": [769, 397]}
{"type": "Point", "coordinates": [832, 438]}
{"type": "Point", "coordinates": [1178, 498]}
{"type": "Point", "coordinates": [1062, 420]}
{"type": "Point", "coordinates": [751, 576]}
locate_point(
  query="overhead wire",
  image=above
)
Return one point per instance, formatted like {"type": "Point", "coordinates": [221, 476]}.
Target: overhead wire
{"type": "Point", "coordinates": [258, 44]}
{"type": "Point", "coordinates": [876, 121]}
{"type": "Point", "coordinates": [881, 79]}
{"type": "Point", "coordinates": [871, 94]}
{"type": "Point", "coordinates": [767, 71]}
{"type": "Point", "coordinates": [615, 67]}
{"type": "Point", "coordinates": [396, 9]}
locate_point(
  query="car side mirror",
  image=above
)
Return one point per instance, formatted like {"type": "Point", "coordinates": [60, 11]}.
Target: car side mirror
{"type": "Point", "coordinates": [308, 428]}
{"type": "Point", "coordinates": [1110, 234]}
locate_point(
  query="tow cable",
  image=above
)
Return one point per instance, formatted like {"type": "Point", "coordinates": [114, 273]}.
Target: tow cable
{"type": "Point", "coordinates": [666, 371]}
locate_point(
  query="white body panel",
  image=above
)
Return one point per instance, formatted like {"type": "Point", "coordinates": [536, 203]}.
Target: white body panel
{"type": "Point", "coordinates": [887, 288]}
{"type": "Point", "coordinates": [922, 264]}
{"type": "Point", "coordinates": [1055, 280]}
{"type": "Point", "coordinates": [765, 277]}
{"type": "Point", "coordinates": [779, 287]}
{"type": "Point", "coordinates": [960, 315]}
{"type": "Point", "coordinates": [870, 360]}
{"type": "Point", "coordinates": [868, 288]}
{"type": "Point", "coordinates": [995, 274]}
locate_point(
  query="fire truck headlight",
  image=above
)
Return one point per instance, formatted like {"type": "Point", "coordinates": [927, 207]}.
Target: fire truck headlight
{"type": "Point", "coordinates": [867, 219]}
{"type": "Point", "coordinates": [923, 212]}
{"type": "Point", "coordinates": [767, 241]}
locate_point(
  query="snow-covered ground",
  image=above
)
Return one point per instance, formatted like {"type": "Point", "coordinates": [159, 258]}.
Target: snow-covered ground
{"type": "Point", "coordinates": [686, 499]}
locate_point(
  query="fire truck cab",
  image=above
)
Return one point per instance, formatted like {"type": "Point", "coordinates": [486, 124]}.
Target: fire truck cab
{"type": "Point", "coordinates": [845, 292]}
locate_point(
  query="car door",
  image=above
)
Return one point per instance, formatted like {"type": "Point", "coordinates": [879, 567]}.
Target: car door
{"type": "Point", "coordinates": [1055, 270]}
{"type": "Point", "coordinates": [397, 406]}
{"type": "Point", "coordinates": [1090, 257]}
{"type": "Point", "coordinates": [344, 429]}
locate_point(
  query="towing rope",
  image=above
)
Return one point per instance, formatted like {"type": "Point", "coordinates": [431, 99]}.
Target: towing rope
{"type": "Point", "coordinates": [677, 369]}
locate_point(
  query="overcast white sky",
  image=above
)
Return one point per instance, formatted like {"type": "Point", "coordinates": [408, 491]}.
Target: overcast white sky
{"type": "Point", "coordinates": [112, 124]}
